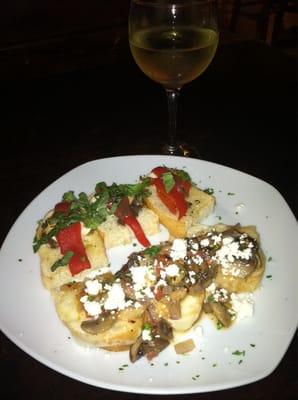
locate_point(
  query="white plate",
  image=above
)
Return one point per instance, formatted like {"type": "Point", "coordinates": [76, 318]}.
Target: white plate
{"type": "Point", "coordinates": [28, 318]}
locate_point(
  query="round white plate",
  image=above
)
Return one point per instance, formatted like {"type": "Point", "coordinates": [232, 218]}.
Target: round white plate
{"type": "Point", "coordinates": [28, 317]}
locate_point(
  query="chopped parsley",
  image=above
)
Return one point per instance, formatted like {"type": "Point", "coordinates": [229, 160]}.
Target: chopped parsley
{"type": "Point", "coordinates": [209, 191]}
{"type": "Point", "coordinates": [269, 259]}
{"type": "Point", "coordinates": [252, 345]}
{"type": "Point", "coordinates": [231, 194]}
{"type": "Point", "coordinates": [268, 276]}
{"type": "Point", "coordinates": [239, 353]}
{"type": "Point", "coordinates": [219, 325]}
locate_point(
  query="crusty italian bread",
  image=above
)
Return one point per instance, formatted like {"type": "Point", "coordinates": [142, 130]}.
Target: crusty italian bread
{"type": "Point", "coordinates": [48, 256]}
{"type": "Point", "coordinates": [115, 234]}
{"type": "Point", "coordinates": [118, 337]}
{"type": "Point", "coordinates": [201, 205]}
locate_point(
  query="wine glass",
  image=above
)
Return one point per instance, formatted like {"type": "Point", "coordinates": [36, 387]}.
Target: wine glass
{"type": "Point", "coordinates": [173, 42]}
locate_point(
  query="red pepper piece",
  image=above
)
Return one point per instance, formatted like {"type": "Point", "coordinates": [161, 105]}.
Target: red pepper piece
{"type": "Point", "coordinates": [135, 226]}
{"type": "Point", "coordinates": [183, 186]}
{"type": "Point", "coordinates": [165, 197]}
{"type": "Point", "coordinates": [158, 171]}
{"type": "Point", "coordinates": [70, 239]}
{"type": "Point", "coordinates": [62, 207]}
{"type": "Point", "coordinates": [179, 199]}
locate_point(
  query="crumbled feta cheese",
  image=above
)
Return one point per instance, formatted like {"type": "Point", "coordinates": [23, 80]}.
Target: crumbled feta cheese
{"type": "Point", "coordinates": [172, 270]}
{"type": "Point", "coordinates": [178, 249]}
{"type": "Point", "coordinates": [93, 287]}
{"type": "Point", "coordinates": [138, 275]}
{"type": "Point", "coordinates": [93, 308]}
{"type": "Point", "coordinates": [227, 254]}
{"type": "Point", "coordinates": [204, 242]}
{"type": "Point", "coordinates": [242, 304]}
{"type": "Point", "coordinates": [116, 298]}
{"type": "Point", "coordinates": [146, 335]}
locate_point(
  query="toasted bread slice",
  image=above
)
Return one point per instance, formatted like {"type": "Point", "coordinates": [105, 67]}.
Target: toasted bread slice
{"type": "Point", "coordinates": [125, 331]}
{"type": "Point", "coordinates": [115, 234]}
{"type": "Point", "coordinates": [201, 205]}
{"type": "Point", "coordinates": [48, 256]}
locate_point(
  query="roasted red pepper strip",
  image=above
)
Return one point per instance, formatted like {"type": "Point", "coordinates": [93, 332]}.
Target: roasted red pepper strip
{"type": "Point", "coordinates": [175, 199]}
{"type": "Point", "coordinates": [179, 199]}
{"type": "Point", "coordinates": [158, 171]}
{"type": "Point", "coordinates": [165, 197]}
{"type": "Point", "coordinates": [62, 207]}
{"type": "Point", "coordinates": [126, 216]}
{"type": "Point", "coordinates": [183, 186]}
{"type": "Point", "coordinates": [70, 239]}
{"type": "Point", "coordinates": [135, 226]}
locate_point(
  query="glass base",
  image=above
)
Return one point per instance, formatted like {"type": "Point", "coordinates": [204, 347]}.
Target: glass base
{"type": "Point", "coordinates": [181, 149]}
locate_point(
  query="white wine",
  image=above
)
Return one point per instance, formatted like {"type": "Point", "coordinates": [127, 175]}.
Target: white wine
{"type": "Point", "coordinates": [174, 57]}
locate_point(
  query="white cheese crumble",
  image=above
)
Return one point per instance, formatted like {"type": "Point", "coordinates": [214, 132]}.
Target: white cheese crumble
{"type": "Point", "coordinates": [243, 305]}
{"type": "Point", "coordinates": [146, 335]}
{"type": "Point", "coordinates": [93, 308]}
{"type": "Point", "coordinates": [178, 249]}
{"type": "Point", "coordinates": [228, 253]}
{"type": "Point", "coordinates": [204, 242]}
{"type": "Point", "coordinates": [172, 270]}
{"type": "Point", "coordinates": [116, 298]}
{"type": "Point", "coordinates": [93, 287]}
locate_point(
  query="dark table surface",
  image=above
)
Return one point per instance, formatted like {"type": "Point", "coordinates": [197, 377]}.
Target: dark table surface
{"type": "Point", "coordinates": [241, 113]}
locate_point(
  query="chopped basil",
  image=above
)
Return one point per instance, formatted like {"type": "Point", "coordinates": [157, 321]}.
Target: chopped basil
{"type": "Point", "coordinates": [90, 212]}
{"type": "Point", "coordinates": [168, 181]}
{"type": "Point", "coordinates": [152, 251]}
{"type": "Point", "coordinates": [182, 174]}
{"type": "Point", "coordinates": [62, 261]}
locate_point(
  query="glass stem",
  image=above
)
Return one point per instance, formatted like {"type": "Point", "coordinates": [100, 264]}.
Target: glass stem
{"type": "Point", "coordinates": [172, 96]}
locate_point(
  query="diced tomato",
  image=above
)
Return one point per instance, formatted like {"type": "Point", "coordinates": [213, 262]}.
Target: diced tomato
{"type": "Point", "coordinates": [70, 239]}
{"type": "Point", "coordinates": [62, 207]}
{"type": "Point", "coordinates": [135, 226]}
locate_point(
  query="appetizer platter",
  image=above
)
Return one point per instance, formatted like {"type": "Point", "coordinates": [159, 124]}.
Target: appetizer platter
{"type": "Point", "coordinates": [169, 267]}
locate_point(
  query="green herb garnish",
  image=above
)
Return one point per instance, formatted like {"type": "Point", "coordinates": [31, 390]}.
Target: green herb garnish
{"type": "Point", "coordinates": [62, 261]}
{"type": "Point", "coordinates": [168, 181]}
{"type": "Point", "coordinates": [239, 353]}
{"type": "Point", "coordinates": [209, 191]}
{"type": "Point", "coordinates": [152, 251]}
{"type": "Point", "coordinates": [182, 174]}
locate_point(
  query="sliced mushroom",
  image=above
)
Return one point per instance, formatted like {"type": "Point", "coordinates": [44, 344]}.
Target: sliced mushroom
{"type": "Point", "coordinates": [221, 313]}
{"type": "Point", "coordinates": [98, 325]}
{"type": "Point", "coordinates": [164, 330]}
{"type": "Point", "coordinates": [136, 350]}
